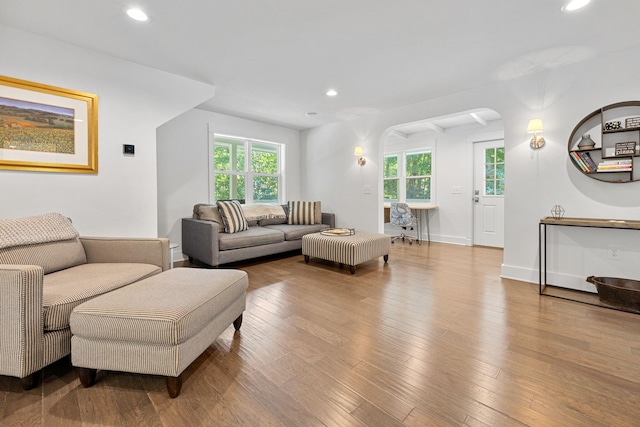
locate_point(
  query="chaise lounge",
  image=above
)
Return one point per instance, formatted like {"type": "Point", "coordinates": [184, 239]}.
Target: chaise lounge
{"type": "Point", "coordinates": [46, 270]}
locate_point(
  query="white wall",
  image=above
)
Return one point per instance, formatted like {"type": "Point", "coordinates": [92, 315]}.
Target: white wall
{"type": "Point", "coordinates": [536, 180]}
{"type": "Point", "coordinates": [183, 168]}
{"type": "Point", "coordinates": [121, 200]}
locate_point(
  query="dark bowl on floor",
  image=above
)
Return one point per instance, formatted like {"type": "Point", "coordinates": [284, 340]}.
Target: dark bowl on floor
{"type": "Point", "coordinates": [623, 293]}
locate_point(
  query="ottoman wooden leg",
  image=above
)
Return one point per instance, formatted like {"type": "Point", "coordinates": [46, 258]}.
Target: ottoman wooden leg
{"type": "Point", "coordinates": [237, 323]}
{"type": "Point", "coordinates": [386, 258]}
{"type": "Point", "coordinates": [30, 381]}
{"type": "Point", "coordinates": [306, 259]}
{"type": "Point", "coordinates": [174, 384]}
{"type": "Point", "coordinates": [87, 376]}
{"type": "Point", "coordinates": [353, 269]}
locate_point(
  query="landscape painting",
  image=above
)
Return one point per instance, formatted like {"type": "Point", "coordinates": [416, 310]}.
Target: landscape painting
{"type": "Point", "coordinates": [47, 129]}
{"type": "Point", "coordinates": [36, 127]}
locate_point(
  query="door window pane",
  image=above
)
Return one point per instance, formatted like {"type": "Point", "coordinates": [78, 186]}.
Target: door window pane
{"type": "Point", "coordinates": [494, 171]}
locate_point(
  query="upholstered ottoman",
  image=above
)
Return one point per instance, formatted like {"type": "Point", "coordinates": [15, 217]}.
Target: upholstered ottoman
{"type": "Point", "coordinates": [350, 250]}
{"type": "Point", "coordinates": [158, 325]}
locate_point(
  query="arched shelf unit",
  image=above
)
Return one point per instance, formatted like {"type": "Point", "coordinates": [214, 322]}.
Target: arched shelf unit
{"type": "Point", "coordinates": [605, 145]}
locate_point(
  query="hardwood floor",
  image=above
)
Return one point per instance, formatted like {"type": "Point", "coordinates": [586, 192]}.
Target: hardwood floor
{"type": "Point", "coordinates": [433, 338]}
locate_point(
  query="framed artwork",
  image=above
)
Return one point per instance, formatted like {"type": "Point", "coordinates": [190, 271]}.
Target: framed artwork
{"type": "Point", "coordinates": [47, 129]}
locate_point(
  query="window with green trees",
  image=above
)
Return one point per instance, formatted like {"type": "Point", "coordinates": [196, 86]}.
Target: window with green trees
{"type": "Point", "coordinates": [390, 176]}
{"type": "Point", "coordinates": [494, 171]}
{"type": "Point", "coordinates": [246, 170]}
{"type": "Point", "coordinates": [407, 176]}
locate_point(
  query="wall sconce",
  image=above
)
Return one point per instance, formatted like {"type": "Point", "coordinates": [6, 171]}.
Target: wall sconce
{"type": "Point", "coordinates": [535, 126]}
{"type": "Point", "coordinates": [359, 154]}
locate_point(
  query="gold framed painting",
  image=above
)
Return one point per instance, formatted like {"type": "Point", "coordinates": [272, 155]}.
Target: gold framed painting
{"type": "Point", "coordinates": [47, 129]}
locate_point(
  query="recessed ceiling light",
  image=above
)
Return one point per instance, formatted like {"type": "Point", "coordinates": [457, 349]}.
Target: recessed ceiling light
{"type": "Point", "coordinates": [137, 14]}
{"type": "Point", "coordinates": [575, 5]}
{"type": "Point", "coordinates": [332, 92]}
{"type": "Point", "coordinates": [311, 114]}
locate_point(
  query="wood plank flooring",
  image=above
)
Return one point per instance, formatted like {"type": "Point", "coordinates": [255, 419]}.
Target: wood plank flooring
{"type": "Point", "coordinates": [433, 338]}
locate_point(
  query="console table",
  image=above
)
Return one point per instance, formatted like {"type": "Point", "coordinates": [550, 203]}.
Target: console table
{"type": "Point", "coordinates": [574, 222]}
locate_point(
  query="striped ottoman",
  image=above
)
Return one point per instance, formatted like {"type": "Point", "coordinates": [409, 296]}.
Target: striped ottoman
{"type": "Point", "coordinates": [158, 325]}
{"type": "Point", "coordinates": [350, 250]}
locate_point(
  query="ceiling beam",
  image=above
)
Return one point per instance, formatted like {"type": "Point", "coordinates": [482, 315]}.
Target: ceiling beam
{"type": "Point", "coordinates": [434, 127]}
{"type": "Point", "coordinates": [398, 134]}
{"type": "Point", "coordinates": [478, 119]}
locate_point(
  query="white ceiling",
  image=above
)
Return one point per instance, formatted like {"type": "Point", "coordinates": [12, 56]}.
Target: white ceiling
{"type": "Point", "coordinates": [273, 60]}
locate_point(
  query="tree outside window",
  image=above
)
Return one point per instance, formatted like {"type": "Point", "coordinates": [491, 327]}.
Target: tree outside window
{"type": "Point", "coordinates": [407, 176]}
{"type": "Point", "coordinates": [494, 171]}
{"type": "Point", "coordinates": [390, 176]}
{"type": "Point", "coordinates": [246, 170]}
{"type": "Point", "coordinates": [418, 176]}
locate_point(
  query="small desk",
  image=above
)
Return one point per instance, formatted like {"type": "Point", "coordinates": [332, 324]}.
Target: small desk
{"type": "Point", "coordinates": [419, 207]}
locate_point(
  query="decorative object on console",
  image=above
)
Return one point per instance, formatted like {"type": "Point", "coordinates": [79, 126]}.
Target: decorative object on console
{"type": "Point", "coordinates": [557, 212]}
{"type": "Point", "coordinates": [586, 142]}
{"type": "Point", "coordinates": [359, 153]}
{"type": "Point", "coordinates": [535, 126]}
{"type": "Point", "coordinates": [613, 125]}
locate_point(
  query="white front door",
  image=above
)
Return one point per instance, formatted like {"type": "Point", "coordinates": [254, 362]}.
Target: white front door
{"type": "Point", "coordinates": [488, 197]}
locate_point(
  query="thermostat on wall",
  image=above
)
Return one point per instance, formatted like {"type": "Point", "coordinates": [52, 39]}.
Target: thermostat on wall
{"type": "Point", "coordinates": [128, 149]}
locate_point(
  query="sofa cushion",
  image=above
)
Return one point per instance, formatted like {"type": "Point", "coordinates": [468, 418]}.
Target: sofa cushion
{"type": "Point", "coordinates": [209, 213]}
{"type": "Point", "coordinates": [303, 213]}
{"type": "Point", "coordinates": [66, 289]}
{"type": "Point", "coordinates": [52, 227]}
{"type": "Point", "coordinates": [295, 232]}
{"type": "Point", "coordinates": [232, 216]}
{"type": "Point", "coordinates": [51, 256]}
{"type": "Point", "coordinates": [254, 236]}
{"type": "Point", "coordinates": [48, 240]}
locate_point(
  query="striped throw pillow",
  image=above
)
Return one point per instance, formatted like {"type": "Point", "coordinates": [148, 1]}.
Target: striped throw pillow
{"type": "Point", "coordinates": [232, 216]}
{"type": "Point", "coordinates": [301, 213]}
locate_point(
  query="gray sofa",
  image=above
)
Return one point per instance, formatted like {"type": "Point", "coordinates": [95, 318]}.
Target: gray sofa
{"type": "Point", "coordinates": [46, 270]}
{"type": "Point", "coordinates": [205, 240]}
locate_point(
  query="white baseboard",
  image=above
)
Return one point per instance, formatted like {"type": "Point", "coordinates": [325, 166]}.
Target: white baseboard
{"type": "Point", "coordinates": [562, 280]}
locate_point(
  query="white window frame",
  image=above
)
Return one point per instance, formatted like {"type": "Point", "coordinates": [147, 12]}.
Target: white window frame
{"type": "Point", "coordinates": [402, 174]}
{"type": "Point", "coordinates": [247, 144]}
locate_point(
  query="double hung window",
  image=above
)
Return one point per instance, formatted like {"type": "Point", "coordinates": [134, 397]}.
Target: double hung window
{"type": "Point", "coordinates": [407, 176]}
{"type": "Point", "coordinates": [246, 170]}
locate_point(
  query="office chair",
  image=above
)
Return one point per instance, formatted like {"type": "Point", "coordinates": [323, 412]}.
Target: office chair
{"type": "Point", "coordinates": [401, 216]}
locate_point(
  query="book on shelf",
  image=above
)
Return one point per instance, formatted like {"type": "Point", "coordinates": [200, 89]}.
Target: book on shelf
{"type": "Point", "coordinates": [617, 162]}
{"type": "Point", "coordinates": [578, 161]}
{"type": "Point", "coordinates": [586, 157]}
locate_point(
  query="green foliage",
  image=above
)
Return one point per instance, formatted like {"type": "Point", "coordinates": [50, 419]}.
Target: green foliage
{"type": "Point", "coordinates": [391, 189]}
{"type": "Point", "coordinates": [229, 156]}
{"type": "Point", "coordinates": [418, 164]}
{"type": "Point", "coordinates": [390, 167]}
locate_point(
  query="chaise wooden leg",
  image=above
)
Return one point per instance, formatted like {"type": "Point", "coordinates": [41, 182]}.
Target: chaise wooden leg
{"type": "Point", "coordinates": [237, 323]}
{"type": "Point", "coordinates": [174, 384]}
{"type": "Point", "coordinates": [353, 269]}
{"type": "Point", "coordinates": [87, 376]}
{"type": "Point", "coordinates": [30, 380]}
{"type": "Point", "coordinates": [386, 258]}
{"type": "Point", "coordinates": [306, 259]}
